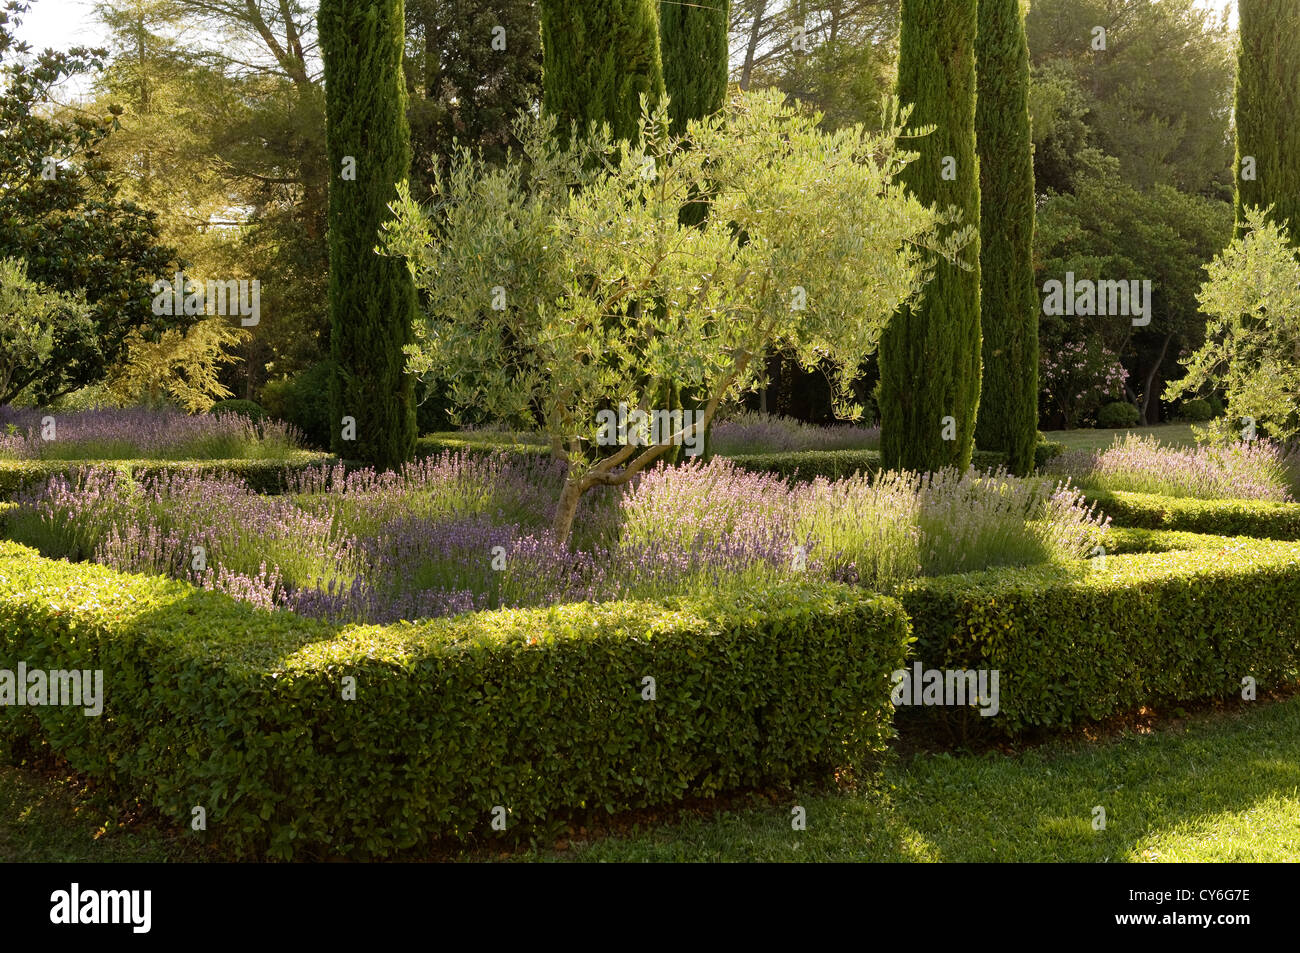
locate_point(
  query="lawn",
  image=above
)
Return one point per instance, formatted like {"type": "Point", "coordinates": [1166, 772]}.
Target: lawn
{"type": "Point", "coordinates": [1214, 787]}
{"type": "Point", "coordinates": [1173, 435]}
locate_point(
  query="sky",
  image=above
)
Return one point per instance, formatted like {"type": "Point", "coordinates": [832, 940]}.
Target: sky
{"type": "Point", "coordinates": [65, 23]}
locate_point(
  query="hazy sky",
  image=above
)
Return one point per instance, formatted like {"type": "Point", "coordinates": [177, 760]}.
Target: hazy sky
{"type": "Point", "coordinates": [64, 23]}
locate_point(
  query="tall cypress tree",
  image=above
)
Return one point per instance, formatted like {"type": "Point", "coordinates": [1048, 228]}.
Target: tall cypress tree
{"type": "Point", "coordinates": [693, 44]}
{"type": "Point", "coordinates": [372, 298]}
{"type": "Point", "coordinates": [930, 354]}
{"type": "Point", "coordinates": [598, 57]}
{"type": "Point", "coordinates": [1008, 409]}
{"type": "Point", "coordinates": [1267, 107]}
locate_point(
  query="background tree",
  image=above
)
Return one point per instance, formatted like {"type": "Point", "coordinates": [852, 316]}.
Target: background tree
{"type": "Point", "coordinates": [1158, 98]}
{"type": "Point", "coordinates": [372, 297]}
{"type": "Point", "coordinates": [1268, 99]}
{"type": "Point", "coordinates": [1109, 229]}
{"type": "Point", "coordinates": [471, 68]}
{"type": "Point", "coordinates": [32, 318]}
{"type": "Point", "coordinates": [1009, 307]}
{"type": "Point", "coordinates": [930, 353]}
{"type": "Point", "coordinates": [599, 58]}
{"type": "Point", "coordinates": [62, 213]}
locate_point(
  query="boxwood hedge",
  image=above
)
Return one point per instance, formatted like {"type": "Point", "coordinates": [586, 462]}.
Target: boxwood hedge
{"type": "Point", "coordinates": [1083, 642]}
{"type": "Point", "coordinates": [211, 703]}
{"type": "Point", "coordinates": [1258, 518]}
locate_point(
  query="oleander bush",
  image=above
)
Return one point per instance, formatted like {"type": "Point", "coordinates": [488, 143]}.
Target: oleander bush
{"type": "Point", "coordinates": [543, 712]}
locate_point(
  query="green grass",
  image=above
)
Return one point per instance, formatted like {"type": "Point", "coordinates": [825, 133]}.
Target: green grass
{"type": "Point", "coordinates": [1217, 787]}
{"type": "Point", "coordinates": [1172, 435]}
{"type": "Point", "coordinates": [1224, 788]}
{"type": "Point", "coordinates": [45, 819]}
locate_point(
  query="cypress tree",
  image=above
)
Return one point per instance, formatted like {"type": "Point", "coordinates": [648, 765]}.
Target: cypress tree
{"type": "Point", "coordinates": [598, 57]}
{"type": "Point", "coordinates": [372, 298]}
{"type": "Point", "coordinates": [930, 354]}
{"type": "Point", "coordinates": [1267, 107]}
{"type": "Point", "coordinates": [693, 45]}
{"type": "Point", "coordinates": [1008, 409]}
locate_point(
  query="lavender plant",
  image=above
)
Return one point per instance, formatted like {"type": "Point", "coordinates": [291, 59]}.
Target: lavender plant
{"type": "Point", "coordinates": [1258, 470]}
{"type": "Point", "coordinates": [751, 432]}
{"type": "Point", "coordinates": [138, 433]}
{"type": "Point", "coordinates": [465, 532]}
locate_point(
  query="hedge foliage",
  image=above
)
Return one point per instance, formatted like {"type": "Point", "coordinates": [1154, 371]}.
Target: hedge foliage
{"type": "Point", "coordinates": [210, 702]}
{"type": "Point", "coordinates": [1258, 518]}
{"type": "Point", "coordinates": [1082, 643]}
{"type": "Point", "coordinates": [263, 476]}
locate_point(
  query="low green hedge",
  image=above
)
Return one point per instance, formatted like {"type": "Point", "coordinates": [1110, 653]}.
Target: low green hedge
{"type": "Point", "coordinates": [212, 703]}
{"type": "Point", "coordinates": [431, 445]}
{"type": "Point", "coordinates": [1257, 518]}
{"type": "Point", "coordinates": [263, 476]}
{"type": "Point", "coordinates": [1084, 642]}
{"type": "Point", "coordinates": [1123, 540]}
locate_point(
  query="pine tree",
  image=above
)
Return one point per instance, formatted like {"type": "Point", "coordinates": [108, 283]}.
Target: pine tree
{"type": "Point", "coordinates": [598, 58]}
{"type": "Point", "coordinates": [1268, 102]}
{"type": "Point", "coordinates": [930, 354]}
{"type": "Point", "coordinates": [693, 44]}
{"type": "Point", "coordinates": [372, 298]}
{"type": "Point", "coordinates": [1008, 409]}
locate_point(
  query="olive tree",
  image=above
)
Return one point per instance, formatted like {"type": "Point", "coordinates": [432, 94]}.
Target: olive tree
{"type": "Point", "coordinates": [1252, 338]}
{"type": "Point", "coordinates": [565, 284]}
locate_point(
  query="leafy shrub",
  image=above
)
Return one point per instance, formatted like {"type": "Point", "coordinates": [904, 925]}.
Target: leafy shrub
{"type": "Point", "coordinates": [1197, 410]}
{"type": "Point", "coordinates": [303, 400]}
{"type": "Point", "coordinates": [1117, 415]}
{"type": "Point", "coordinates": [211, 702]}
{"type": "Point", "coordinates": [1073, 645]}
{"type": "Point", "coordinates": [245, 408]}
{"type": "Point", "coordinates": [1046, 450]}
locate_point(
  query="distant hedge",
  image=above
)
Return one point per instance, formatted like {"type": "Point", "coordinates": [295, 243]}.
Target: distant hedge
{"type": "Point", "coordinates": [212, 703]}
{"type": "Point", "coordinates": [1081, 643]}
{"type": "Point", "coordinates": [1258, 518]}
{"type": "Point", "coordinates": [263, 476]}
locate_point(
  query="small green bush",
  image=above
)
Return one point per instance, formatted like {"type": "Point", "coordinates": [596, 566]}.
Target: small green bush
{"type": "Point", "coordinates": [1258, 518]}
{"type": "Point", "coordinates": [1117, 415]}
{"type": "Point", "coordinates": [303, 400]}
{"type": "Point", "coordinates": [1046, 450]}
{"type": "Point", "coordinates": [1076, 644]}
{"type": "Point", "coordinates": [541, 711]}
{"type": "Point", "coordinates": [1197, 411]}
{"type": "Point", "coordinates": [245, 408]}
